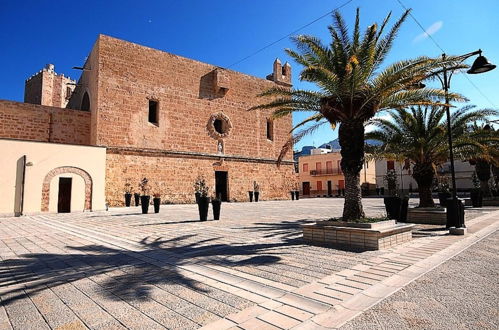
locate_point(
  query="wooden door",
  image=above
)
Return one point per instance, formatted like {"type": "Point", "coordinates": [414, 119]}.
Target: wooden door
{"type": "Point", "coordinates": [306, 188]}
{"type": "Point", "coordinates": [64, 199]}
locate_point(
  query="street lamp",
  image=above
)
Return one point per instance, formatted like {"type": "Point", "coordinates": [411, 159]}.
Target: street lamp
{"type": "Point", "coordinates": [455, 209]}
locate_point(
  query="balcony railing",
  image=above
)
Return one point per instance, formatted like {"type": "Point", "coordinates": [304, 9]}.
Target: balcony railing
{"type": "Point", "coordinates": [328, 171]}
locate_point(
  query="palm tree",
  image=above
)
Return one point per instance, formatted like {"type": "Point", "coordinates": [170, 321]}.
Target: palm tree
{"type": "Point", "coordinates": [351, 89]}
{"type": "Point", "coordinates": [485, 161]}
{"type": "Point", "coordinates": [419, 135]}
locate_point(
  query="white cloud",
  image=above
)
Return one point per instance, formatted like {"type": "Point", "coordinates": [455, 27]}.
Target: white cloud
{"type": "Point", "coordinates": [429, 31]}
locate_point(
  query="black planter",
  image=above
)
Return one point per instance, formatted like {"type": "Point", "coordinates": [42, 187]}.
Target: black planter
{"type": "Point", "coordinates": [144, 202]}
{"type": "Point", "coordinates": [392, 206]}
{"type": "Point", "coordinates": [292, 195]}
{"type": "Point", "coordinates": [382, 190]}
{"type": "Point", "coordinates": [377, 191]}
{"type": "Point", "coordinates": [256, 196]}
{"type": "Point", "coordinates": [455, 213]}
{"type": "Point", "coordinates": [128, 199]}
{"type": "Point", "coordinates": [250, 193]}
{"type": "Point", "coordinates": [197, 197]}
{"type": "Point", "coordinates": [404, 207]}
{"type": "Point", "coordinates": [137, 199]}
{"type": "Point", "coordinates": [442, 198]}
{"type": "Point", "coordinates": [297, 195]}
{"type": "Point", "coordinates": [476, 198]}
{"type": "Point", "coordinates": [156, 201]}
{"type": "Point", "coordinates": [216, 204]}
{"type": "Point", "coordinates": [203, 206]}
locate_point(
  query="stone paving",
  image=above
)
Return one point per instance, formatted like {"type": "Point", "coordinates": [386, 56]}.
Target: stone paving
{"type": "Point", "coordinates": [462, 293]}
{"type": "Point", "coordinates": [122, 269]}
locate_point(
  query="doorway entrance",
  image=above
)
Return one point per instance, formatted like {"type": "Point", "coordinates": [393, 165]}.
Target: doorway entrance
{"type": "Point", "coordinates": [64, 200]}
{"type": "Point", "coordinates": [306, 188]}
{"type": "Point", "coordinates": [221, 185]}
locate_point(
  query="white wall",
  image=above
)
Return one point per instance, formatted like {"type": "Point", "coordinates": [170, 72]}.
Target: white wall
{"type": "Point", "coordinates": [462, 169]}
{"type": "Point", "coordinates": [44, 158]}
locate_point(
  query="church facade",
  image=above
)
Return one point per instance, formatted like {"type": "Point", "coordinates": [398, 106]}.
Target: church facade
{"type": "Point", "coordinates": [160, 116]}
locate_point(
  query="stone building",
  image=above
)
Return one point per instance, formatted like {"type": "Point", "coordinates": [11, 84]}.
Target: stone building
{"type": "Point", "coordinates": [160, 116]}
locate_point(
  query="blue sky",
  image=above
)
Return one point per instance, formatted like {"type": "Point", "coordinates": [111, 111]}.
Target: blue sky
{"type": "Point", "coordinates": [34, 33]}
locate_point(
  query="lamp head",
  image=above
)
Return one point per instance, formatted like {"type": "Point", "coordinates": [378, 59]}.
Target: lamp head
{"type": "Point", "coordinates": [481, 65]}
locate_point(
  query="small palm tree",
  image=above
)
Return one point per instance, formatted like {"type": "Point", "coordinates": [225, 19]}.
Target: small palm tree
{"type": "Point", "coordinates": [352, 88]}
{"type": "Point", "coordinates": [419, 135]}
{"type": "Point", "coordinates": [485, 161]}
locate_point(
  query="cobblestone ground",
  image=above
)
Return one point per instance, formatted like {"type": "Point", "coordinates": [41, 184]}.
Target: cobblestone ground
{"type": "Point", "coordinates": [462, 293]}
{"type": "Point", "coordinates": [122, 269]}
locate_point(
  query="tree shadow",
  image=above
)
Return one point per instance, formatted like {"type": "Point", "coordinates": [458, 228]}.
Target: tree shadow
{"type": "Point", "coordinates": [130, 274]}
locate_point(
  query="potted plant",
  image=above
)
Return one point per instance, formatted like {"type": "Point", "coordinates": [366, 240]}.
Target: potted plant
{"type": "Point", "coordinates": [256, 190]}
{"type": "Point", "coordinates": [128, 194]}
{"type": "Point", "coordinates": [137, 198]}
{"type": "Point", "coordinates": [156, 200]}
{"type": "Point", "coordinates": [392, 201]}
{"type": "Point", "coordinates": [216, 203]}
{"type": "Point", "coordinates": [144, 198]}
{"type": "Point", "coordinates": [250, 193]}
{"type": "Point", "coordinates": [202, 190]}
{"type": "Point", "coordinates": [476, 193]}
{"type": "Point", "coordinates": [443, 190]}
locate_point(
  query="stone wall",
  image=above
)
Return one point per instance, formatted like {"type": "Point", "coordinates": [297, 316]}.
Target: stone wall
{"type": "Point", "coordinates": [42, 123]}
{"type": "Point", "coordinates": [177, 174]}
{"type": "Point", "coordinates": [46, 87]}
{"type": "Point", "coordinates": [188, 93]}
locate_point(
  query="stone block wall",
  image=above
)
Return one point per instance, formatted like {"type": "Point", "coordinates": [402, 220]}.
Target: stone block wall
{"type": "Point", "coordinates": [42, 123]}
{"type": "Point", "coordinates": [129, 75]}
{"type": "Point", "coordinates": [178, 174]}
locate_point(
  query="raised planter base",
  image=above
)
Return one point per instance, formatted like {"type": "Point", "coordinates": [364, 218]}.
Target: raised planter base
{"type": "Point", "coordinates": [490, 202]}
{"type": "Point", "coordinates": [427, 215]}
{"type": "Point", "coordinates": [357, 236]}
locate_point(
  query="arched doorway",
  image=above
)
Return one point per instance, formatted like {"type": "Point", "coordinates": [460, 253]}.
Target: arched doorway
{"type": "Point", "coordinates": [85, 102]}
{"type": "Point", "coordinates": [63, 170]}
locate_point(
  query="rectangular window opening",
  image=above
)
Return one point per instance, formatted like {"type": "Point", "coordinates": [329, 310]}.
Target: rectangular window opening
{"type": "Point", "coordinates": [153, 112]}
{"type": "Point", "coordinates": [270, 130]}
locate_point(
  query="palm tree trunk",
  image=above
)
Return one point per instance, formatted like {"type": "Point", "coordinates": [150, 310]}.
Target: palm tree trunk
{"type": "Point", "coordinates": [424, 173]}
{"type": "Point", "coordinates": [482, 169]}
{"type": "Point", "coordinates": [351, 138]}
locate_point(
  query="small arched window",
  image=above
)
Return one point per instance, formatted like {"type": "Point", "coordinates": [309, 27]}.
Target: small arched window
{"type": "Point", "coordinates": [85, 102]}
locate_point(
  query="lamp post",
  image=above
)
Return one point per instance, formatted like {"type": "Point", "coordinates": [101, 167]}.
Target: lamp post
{"type": "Point", "coordinates": [455, 209]}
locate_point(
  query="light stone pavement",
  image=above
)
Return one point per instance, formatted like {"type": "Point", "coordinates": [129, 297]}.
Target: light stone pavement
{"type": "Point", "coordinates": [462, 293]}
{"type": "Point", "coordinates": [121, 269]}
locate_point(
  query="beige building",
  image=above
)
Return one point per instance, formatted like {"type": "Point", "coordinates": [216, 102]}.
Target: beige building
{"type": "Point", "coordinates": [320, 174]}
{"type": "Point", "coordinates": [50, 177]}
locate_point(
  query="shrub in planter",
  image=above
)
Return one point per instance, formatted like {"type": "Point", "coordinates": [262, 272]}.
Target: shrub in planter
{"type": "Point", "coordinates": [392, 206]}
{"type": "Point", "coordinates": [128, 194]}
{"type": "Point", "coordinates": [157, 202]}
{"type": "Point", "coordinates": [442, 198]}
{"type": "Point", "coordinates": [443, 190]}
{"type": "Point", "coordinates": [144, 198]}
{"type": "Point", "coordinates": [216, 203]}
{"type": "Point", "coordinates": [250, 193]}
{"type": "Point", "coordinates": [203, 202]}
{"type": "Point", "coordinates": [128, 199]}
{"type": "Point", "coordinates": [476, 192]}
{"type": "Point", "coordinates": [292, 195]}
{"type": "Point", "coordinates": [297, 194]}
{"type": "Point", "coordinates": [256, 190]}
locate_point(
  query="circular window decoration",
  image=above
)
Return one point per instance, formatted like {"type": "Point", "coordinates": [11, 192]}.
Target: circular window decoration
{"type": "Point", "coordinates": [219, 125]}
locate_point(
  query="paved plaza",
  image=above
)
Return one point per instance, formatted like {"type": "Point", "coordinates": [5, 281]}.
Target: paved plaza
{"type": "Point", "coordinates": [121, 269]}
